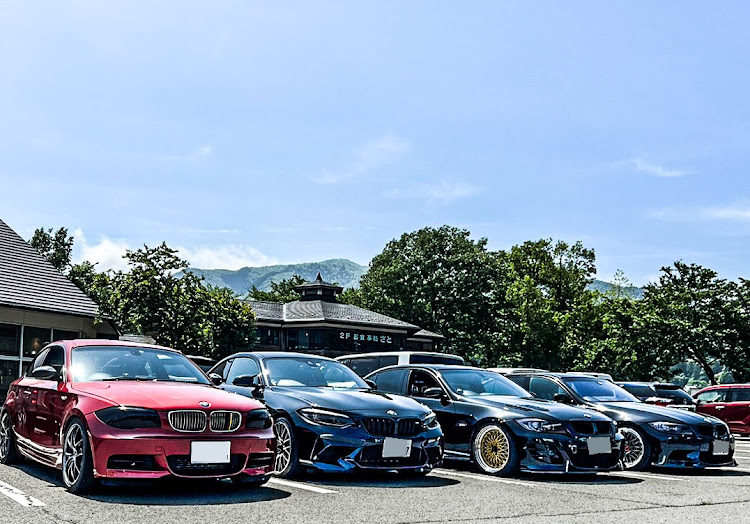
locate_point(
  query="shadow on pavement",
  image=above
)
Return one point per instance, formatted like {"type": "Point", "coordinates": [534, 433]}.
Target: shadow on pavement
{"type": "Point", "coordinates": [376, 479]}
{"type": "Point", "coordinates": [163, 492]}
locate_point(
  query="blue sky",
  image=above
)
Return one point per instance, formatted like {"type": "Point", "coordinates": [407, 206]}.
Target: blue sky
{"type": "Point", "coordinates": [249, 133]}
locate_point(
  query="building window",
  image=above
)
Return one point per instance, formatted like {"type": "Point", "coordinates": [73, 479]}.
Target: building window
{"type": "Point", "coordinates": [34, 339]}
{"type": "Point", "coordinates": [61, 334]}
{"type": "Point", "coordinates": [10, 340]}
{"type": "Point", "coordinates": [267, 336]}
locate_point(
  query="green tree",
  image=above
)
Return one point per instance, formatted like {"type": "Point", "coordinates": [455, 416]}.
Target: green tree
{"type": "Point", "coordinates": [55, 247]}
{"type": "Point", "coordinates": [442, 280]}
{"type": "Point", "coordinates": [281, 292]}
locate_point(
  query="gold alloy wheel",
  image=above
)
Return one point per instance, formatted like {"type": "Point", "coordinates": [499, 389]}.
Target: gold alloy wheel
{"type": "Point", "coordinates": [492, 449]}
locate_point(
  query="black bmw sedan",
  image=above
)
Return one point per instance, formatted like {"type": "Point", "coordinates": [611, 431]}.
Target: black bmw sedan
{"type": "Point", "coordinates": [499, 426]}
{"type": "Point", "coordinates": [328, 418]}
{"type": "Point", "coordinates": [654, 435]}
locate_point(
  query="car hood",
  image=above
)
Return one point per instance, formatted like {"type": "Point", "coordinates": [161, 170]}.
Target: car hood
{"type": "Point", "coordinates": [534, 407]}
{"type": "Point", "coordinates": [167, 396]}
{"type": "Point", "coordinates": [360, 402]}
{"type": "Point", "coordinates": [638, 411]}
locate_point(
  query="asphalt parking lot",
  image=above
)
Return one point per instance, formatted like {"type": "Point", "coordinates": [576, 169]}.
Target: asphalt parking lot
{"type": "Point", "coordinates": [30, 493]}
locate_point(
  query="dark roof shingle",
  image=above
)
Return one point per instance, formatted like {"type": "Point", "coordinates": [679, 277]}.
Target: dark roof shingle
{"type": "Point", "coordinates": [28, 280]}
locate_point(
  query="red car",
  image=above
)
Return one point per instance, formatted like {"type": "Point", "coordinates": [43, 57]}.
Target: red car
{"type": "Point", "coordinates": [108, 409]}
{"type": "Point", "coordinates": [729, 402]}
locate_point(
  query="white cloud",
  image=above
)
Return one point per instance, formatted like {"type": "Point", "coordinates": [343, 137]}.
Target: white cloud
{"type": "Point", "coordinates": [657, 170]}
{"type": "Point", "coordinates": [107, 254]}
{"type": "Point", "coordinates": [442, 191]}
{"type": "Point", "coordinates": [369, 157]}
{"type": "Point", "coordinates": [732, 213]}
{"type": "Point", "coordinates": [225, 257]}
{"type": "Point", "coordinates": [194, 157]}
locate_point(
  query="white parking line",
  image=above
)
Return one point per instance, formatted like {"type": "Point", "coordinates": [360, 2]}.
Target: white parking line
{"type": "Point", "coordinates": [637, 474]}
{"type": "Point", "coordinates": [19, 496]}
{"type": "Point", "coordinates": [300, 485]}
{"type": "Point", "coordinates": [486, 478]}
{"type": "Point", "coordinates": [744, 470]}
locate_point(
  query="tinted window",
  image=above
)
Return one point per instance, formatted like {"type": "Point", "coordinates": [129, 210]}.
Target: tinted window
{"type": "Point", "coordinates": [470, 382]}
{"type": "Point", "coordinates": [242, 366]}
{"type": "Point", "coordinates": [419, 381]}
{"type": "Point", "coordinates": [55, 358]}
{"type": "Point", "coordinates": [545, 388]}
{"type": "Point", "coordinates": [714, 395]}
{"type": "Point", "coordinates": [740, 394]}
{"type": "Point", "coordinates": [37, 362]}
{"type": "Point", "coordinates": [390, 381]}
{"type": "Point", "coordinates": [640, 390]}
{"type": "Point", "coordinates": [222, 369]}
{"type": "Point", "coordinates": [390, 360]}
{"type": "Point", "coordinates": [680, 396]}
{"type": "Point", "coordinates": [311, 372]}
{"type": "Point", "coordinates": [363, 366]}
{"type": "Point", "coordinates": [599, 390]}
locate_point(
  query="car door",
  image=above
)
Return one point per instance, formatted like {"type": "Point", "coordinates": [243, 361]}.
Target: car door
{"type": "Point", "coordinates": [27, 388]}
{"type": "Point", "coordinates": [419, 381]}
{"type": "Point", "coordinates": [47, 403]}
{"type": "Point", "coordinates": [240, 366]}
{"type": "Point", "coordinates": [390, 380]}
{"type": "Point", "coordinates": [737, 410]}
{"type": "Point", "coordinates": [712, 402]}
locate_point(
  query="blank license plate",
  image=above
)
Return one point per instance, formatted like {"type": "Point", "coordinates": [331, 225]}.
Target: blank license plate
{"type": "Point", "coordinates": [210, 452]}
{"type": "Point", "coordinates": [599, 445]}
{"type": "Point", "coordinates": [396, 447]}
{"type": "Point", "coordinates": [721, 447]}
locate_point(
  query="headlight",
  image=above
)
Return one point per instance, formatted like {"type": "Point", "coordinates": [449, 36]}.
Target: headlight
{"type": "Point", "coordinates": [672, 428]}
{"type": "Point", "coordinates": [430, 420]}
{"type": "Point", "coordinates": [540, 426]}
{"type": "Point", "coordinates": [325, 418]}
{"type": "Point", "coordinates": [123, 417]}
{"type": "Point", "coordinates": [258, 419]}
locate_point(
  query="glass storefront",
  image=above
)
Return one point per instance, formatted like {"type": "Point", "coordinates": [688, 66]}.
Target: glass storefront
{"type": "Point", "coordinates": [337, 342]}
{"type": "Point", "coordinates": [10, 339]}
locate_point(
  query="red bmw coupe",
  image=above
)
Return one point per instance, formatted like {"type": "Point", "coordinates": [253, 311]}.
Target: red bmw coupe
{"type": "Point", "coordinates": [109, 409]}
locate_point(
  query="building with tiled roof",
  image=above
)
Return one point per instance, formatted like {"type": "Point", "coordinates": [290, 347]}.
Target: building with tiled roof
{"type": "Point", "coordinates": [318, 323]}
{"type": "Point", "coordinates": [38, 304]}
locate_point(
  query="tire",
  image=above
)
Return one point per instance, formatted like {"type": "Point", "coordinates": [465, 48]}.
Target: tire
{"type": "Point", "coordinates": [494, 451]}
{"type": "Point", "coordinates": [636, 449]}
{"type": "Point", "coordinates": [8, 449]}
{"type": "Point", "coordinates": [77, 461]}
{"type": "Point", "coordinates": [286, 462]}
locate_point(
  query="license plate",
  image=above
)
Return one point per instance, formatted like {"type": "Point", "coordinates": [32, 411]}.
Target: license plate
{"type": "Point", "coordinates": [721, 447]}
{"type": "Point", "coordinates": [396, 447]}
{"type": "Point", "coordinates": [599, 445]}
{"type": "Point", "coordinates": [210, 452]}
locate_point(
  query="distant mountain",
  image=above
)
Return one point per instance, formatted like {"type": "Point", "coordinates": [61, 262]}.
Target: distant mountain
{"type": "Point", "coordinates": [338, 271]}
{"type": "Point", "coordinates": [604, 287]}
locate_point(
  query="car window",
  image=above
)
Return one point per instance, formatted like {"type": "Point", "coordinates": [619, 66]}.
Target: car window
{"type": "Point", "coordinates": [363, 366]}
{"type": "Point", "coordinates": [222, 368]}
{"type": "Point", "coordinates": [545, 388]}
{"type": "Point", "coordinates": [640, 390]}
{"type": "Point", "coordinates": [599, 390]}
{"type": "Point", "coordinates": [37, 362]}
{"type": "Point", "coordinates": [390, 380]}
{"type": "Point", "coordinates": [435, 359]}
{"type": "Point", "coordinates": [712, 396]}
{"type": "Point", "coordinates": [389, 360]}
{"type": "Point", "coordinates": [473, 382]}
{"type": "Point", "coordinates": [55, 358]}
{"type": "Point", "coordinates": [740, 394]}
{"type": "Point", "coordinates": [419, 381]}
{"type": "Point", "coordinates": [311, 372]}
{"type": "Point", "coordinates": [242, 366]}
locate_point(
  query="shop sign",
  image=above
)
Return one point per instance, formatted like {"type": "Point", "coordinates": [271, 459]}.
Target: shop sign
{"type": "Point", "coordinates": [364, 337]}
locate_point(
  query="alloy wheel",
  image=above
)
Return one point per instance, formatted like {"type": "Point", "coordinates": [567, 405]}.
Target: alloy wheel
{"type": "Point", "coordinates": [493, 448]}
{"type": "Point", "coordinates": [283, 446]}
{"type": "Point", "coordinates": [73, 454]}
{"type": "Point", "coordinates": [5, 430]}
{"type": "Point", "coordinates": [634, 448]}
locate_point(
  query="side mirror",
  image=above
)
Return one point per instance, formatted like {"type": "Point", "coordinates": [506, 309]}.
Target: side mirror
{"type": "Point", "coordinates": [432, 393]}
{"type": "Point", "coordinates": [563, 398]}
{"type": "Point", "coordinates": [370, 383]}
{"type": "Point", "coordinates": [216, 379]}
{"type": "Point", "coordinates": [246, 381]}
{"type": "Point", "coordinates": [45, 373]}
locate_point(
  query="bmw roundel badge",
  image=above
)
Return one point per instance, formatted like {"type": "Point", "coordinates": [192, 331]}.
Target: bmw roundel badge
{"type": "Point", "coordinates": [204, 404]}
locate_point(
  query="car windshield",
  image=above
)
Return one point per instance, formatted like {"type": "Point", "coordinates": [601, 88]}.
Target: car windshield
{"type": "Point", "coordinates": [311, 372]}
{"type": "Point", "coordinates": [598, 390]}
{"type": "Point", "coordinates": [640, 390]}
{"type": "Point", "coordinates": [469, 382]}
{"type": "Point", "coordinates": [111, 363]}
{"type": "Point", "coordinates": [675, 393]}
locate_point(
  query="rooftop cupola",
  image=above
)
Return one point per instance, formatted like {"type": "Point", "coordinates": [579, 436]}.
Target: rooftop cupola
{"type": "Point", "coordinates": [319, 290]}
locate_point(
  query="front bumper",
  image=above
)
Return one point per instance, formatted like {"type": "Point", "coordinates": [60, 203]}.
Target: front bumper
{"type": "Point", "coordinates": [565, 453]}
{"type": "Point", "coordinates": [681, 452]}
{"type": "Point", "coordinates": [346, 449]}
{"type": "Point", "coordinates": [136, 454]}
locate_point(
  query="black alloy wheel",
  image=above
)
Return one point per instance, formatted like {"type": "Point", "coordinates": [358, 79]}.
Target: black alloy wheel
{"type": "Point", "coordinates": [494, 451]}
{"type": "Point", "coordinates": [636, 449]}
{"type": "Point", "coordinates": [286, 463]}
{"type": "Point", "coordinates": [8, 450]}
{"type": "Point", "coordinates": [77, 461]}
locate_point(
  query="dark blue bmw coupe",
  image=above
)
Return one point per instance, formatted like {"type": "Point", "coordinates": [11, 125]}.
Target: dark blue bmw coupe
{"type": "Point", "coordinates": [328, 418]}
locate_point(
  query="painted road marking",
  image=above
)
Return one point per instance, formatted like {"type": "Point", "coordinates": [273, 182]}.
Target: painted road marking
{"type": "Point", "coordinates": [486, 478]}
{"type": "Point", "coordinates": [19, 496]}
{"type": "Point", "coordinates": [730, 469]}
{"type": "Point", "coordinates": [649, 476]}
{"type": "Point", "coordinates": [300, 485]}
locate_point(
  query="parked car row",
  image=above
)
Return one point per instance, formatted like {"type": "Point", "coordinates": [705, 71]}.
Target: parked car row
{"type": "Point", "coordinates": [99, 409]}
